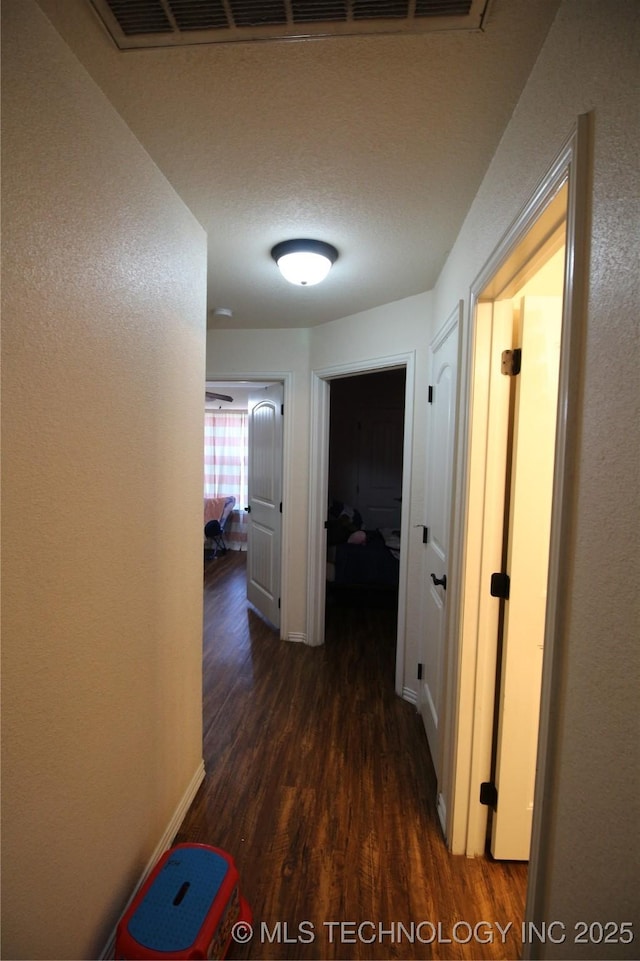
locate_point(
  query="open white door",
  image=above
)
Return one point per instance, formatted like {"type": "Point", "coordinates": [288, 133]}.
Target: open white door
{"type": "Point", "coordinates": [265, 501]}
{"type": "Point", "coordinates": [440, 448]}
{"type": "Point", "coordinates": [532, 469]}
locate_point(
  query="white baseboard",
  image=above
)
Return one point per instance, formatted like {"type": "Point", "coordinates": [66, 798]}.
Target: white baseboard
{"type": "Point", "coordinates": [408, 694]}
{"type": "Point", "coordinates": [163, 844]}
{"type": "Point", "coordinates": [297, 637]}
{"type": "Point", "coordinates": [442, 814]}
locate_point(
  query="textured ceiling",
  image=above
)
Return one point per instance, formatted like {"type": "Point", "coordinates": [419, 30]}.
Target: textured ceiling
{"type": "Point", "coordinates": [375, 144]}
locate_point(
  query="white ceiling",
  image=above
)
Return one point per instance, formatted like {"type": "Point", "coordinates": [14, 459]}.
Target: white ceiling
{"type": "Point", "coordinates": [375, 144]}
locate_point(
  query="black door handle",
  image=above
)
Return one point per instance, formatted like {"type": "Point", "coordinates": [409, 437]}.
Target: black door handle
{"type": "Point", "coordinates": [248, 509]}
{"type": "Point", "coordinates": [440, 580]}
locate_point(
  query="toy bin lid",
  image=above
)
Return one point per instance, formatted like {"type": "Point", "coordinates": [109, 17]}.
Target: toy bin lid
{"type": "Point", "coordinates": [173, 910]}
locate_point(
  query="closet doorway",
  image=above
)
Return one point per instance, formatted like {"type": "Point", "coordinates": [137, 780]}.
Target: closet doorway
{"type": "Point", "coordinates": [521, 395]}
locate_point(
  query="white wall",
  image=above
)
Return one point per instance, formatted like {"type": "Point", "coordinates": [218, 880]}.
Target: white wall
{"type": "Point", "coordinates": [104, 275]}
{"type": "Point", "coordinates": [590, 813]}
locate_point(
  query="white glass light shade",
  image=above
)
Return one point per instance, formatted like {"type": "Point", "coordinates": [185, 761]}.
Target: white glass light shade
{"type": "Point", "coordinates": [304, 262]}
{"type": "Point", "coordinates": [303, 268]}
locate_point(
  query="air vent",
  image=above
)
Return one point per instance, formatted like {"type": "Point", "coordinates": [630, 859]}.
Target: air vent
{"type": "Point", "coordinates": [163, 23]}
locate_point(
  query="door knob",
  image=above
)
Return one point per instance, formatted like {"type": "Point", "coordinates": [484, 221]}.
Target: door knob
{"type": "Point", "coordinates": [440, 580]}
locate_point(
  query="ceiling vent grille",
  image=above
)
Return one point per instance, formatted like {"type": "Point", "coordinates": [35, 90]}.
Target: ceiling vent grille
{"type": "Point", "coordinates": [162, 23]}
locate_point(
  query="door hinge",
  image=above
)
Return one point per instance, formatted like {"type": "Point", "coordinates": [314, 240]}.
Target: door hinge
{"type": "Point", "coordinates": [500, 584]}
{"type": "Point", "coordinates": [425, 535]}
{"type": "Point", "coordinates": [489, 794]}
{"type": "Point", "coordinates": [278, 603]}
{"type": "Point", "coordinates": [282, 410]}
{"type": "Point", "coordinates": [511, 362]}
{"type": "Point", "coordinates": [419, 672]}
{"type": "Point", "coordinates": [430, 395]}
{"type": "Point", "coordinates": [281, 507]}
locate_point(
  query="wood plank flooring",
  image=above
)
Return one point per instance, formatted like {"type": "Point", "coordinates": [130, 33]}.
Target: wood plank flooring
{"type": "Point", "coordinates": [320, 784]}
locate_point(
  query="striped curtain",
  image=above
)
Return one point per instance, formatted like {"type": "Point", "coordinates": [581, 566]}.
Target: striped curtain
{"type": "Point", "coordinates": [225, 454]}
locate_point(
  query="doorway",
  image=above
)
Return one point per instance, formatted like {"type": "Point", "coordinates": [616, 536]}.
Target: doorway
{"type": "Point", "coordinates": [561, 198]}
{"type": "Point", "coordinates": [364, 509]}
{"type": "Point", "coordinates": [556, 213]}
{"type": "Point", "coordinates": [260, 509]}
{"type": "Point", "coordinates": [513, 440]}
{"type": "Point", "coordinates": [319, 494]}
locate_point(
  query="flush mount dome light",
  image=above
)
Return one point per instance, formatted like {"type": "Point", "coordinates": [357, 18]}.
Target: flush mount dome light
{"type": "Point", "coordinates": [304, 262]}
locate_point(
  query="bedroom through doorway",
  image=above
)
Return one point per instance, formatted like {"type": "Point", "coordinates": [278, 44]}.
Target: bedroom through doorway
{"type": "Point", "coordinates": [364, 509]}
{"type": "Point", "coordinates": [243, 454]}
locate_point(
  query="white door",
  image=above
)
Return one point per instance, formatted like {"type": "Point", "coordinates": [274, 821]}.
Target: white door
{"type": "Point", "coordinates": [265, 501]}
{"type": "Point", "coordinates": [529, 512]}
{"type": "Point", "coordinates": [439, 474]}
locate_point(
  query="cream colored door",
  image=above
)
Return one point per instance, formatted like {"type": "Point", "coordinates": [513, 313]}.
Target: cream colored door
{"type": "Point", "coordinates": [265, 501]}
{"type": "Point", "coordinates": [440, 449]}
{"type": "Point", "coordinates": [529, 511]}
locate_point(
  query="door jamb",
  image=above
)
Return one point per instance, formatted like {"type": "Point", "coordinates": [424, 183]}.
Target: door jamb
{"type": "Point", "coordinates": [318, 494]}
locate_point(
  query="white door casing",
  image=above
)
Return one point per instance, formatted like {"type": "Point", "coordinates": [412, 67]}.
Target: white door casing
{"type": "Point", "coordinates": [265, 501]}
{"type": "Point", "coordinates": [441, 440]}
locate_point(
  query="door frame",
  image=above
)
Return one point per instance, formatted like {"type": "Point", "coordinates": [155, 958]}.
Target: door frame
{"type": "Point", "coordinates": [319, 493]}
{"type": "Point", "coordinates": [464, 722]}
{"type": "Point", "coordinates": [285, 377]}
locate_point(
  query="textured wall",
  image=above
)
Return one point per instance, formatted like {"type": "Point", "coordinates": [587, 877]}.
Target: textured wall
{"type": "Point", "coordinates": [588, 868]}
{"type": "Point", "coordinates": [103, 363]}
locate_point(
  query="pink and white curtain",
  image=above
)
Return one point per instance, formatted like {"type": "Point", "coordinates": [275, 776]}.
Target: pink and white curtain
{"type": "Point", "coordinates": [225, 466]}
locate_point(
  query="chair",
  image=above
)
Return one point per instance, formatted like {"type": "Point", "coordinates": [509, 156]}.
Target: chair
{"type": "Point", "coordinates": [214, 529]}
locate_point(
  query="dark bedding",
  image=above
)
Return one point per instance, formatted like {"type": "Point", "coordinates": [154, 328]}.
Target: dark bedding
{"type": "Point", "coordinates": [369, 564]}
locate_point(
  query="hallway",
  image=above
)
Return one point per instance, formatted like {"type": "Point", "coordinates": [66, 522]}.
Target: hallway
{"type": "Point", "coordinates": [320, 784]}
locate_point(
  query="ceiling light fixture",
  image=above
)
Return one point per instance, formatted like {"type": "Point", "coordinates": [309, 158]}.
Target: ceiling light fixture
{"type": "Point", "coordinates": [304, 262]}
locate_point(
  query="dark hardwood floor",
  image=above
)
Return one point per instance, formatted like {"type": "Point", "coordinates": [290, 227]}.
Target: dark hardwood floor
{"type": "Point", "coordinates": [319, 783]}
